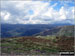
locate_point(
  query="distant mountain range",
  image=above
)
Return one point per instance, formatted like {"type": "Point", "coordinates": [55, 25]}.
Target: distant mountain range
{"type": "Point", "coordinates": [17, 30]}
{"type": "Point", "coordinates": [11, 30]}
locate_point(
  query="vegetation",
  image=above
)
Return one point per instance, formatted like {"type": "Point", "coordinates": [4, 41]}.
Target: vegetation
{"type": "Point", "coordinates": [36, 45]}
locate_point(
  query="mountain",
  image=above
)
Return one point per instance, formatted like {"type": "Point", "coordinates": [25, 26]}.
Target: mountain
{"type": "Point", "coordinates": [59, 31]}
{"type": "Point", "coordinates": [66, 31]}
{"type": "Point", "coordinates": [52, 31]}
{"type": "Point", "coordinates": [15, 30]}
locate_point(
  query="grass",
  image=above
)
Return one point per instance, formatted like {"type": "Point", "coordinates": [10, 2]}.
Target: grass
{"type": "Point", "coordinates": [12, 44]}
{"type": "Point", "coordinates": [47, 37]}
{"type": "Point", "coordinates": [31, 45]}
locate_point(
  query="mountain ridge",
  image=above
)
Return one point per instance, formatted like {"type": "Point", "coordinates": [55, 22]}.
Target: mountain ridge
{"type": "Point", "coordinates": [11, 30]}
{"type": "Point", "coordinates": [59, 31]}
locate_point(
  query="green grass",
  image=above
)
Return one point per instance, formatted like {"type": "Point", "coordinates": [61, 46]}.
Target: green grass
{"type": "Point", "coordinates": [47, 37]}
{"type": "Point", "coordinates": [11, 45]}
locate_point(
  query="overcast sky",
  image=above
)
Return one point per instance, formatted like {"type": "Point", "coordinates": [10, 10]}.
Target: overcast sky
{"type": "Point", "coordinates": [37, 12]}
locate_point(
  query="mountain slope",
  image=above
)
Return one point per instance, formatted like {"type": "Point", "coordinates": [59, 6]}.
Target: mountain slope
{"type": "Point", "coordinates": [16, 30]}
{"type": "Point", "coordinates": [66, 31]}
{"type": "Point", "coordinates": [59, 31]}
{"type": "Point", "coordinates": [49, 31]}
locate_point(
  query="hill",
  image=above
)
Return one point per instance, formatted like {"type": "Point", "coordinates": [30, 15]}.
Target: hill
{"type": "Point", "coordinates": [52, 31]}
{"type": "Point", "coordinates": [59, 31]}
{"type": "Point", "coordinates": [33, 46]}
{"type": "Point", "coordinates": [67, 31]}
{"type": "Point", "coordinates": [17, 30]}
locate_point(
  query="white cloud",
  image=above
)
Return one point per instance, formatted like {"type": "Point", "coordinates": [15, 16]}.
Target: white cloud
{"type": "Point", "coordinates": [43, 12]}
{"type": "Point", "coordinates": [5, 15]}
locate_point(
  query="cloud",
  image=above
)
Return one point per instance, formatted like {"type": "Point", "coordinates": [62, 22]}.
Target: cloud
{"type": "Point", "coordinates": [35, 12]}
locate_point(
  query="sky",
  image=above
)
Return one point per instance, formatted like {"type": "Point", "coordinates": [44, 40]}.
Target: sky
{"type": "Point", "coordinates": [37, 12]}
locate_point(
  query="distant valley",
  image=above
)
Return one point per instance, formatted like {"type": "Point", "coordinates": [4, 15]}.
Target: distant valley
{"type": "Point", "coordinates": [17, 30]}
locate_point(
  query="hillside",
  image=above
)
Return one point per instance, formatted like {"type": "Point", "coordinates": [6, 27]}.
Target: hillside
{"type": "Point", "coordinates": [52, 31]}
{"type": "Point", "coordinates": [33, 46]}
{"type": "Point", "coordinates": [17, 30]}
{"type": "Point", "coordinates": [28, 45]}
{"type": "Point", "coordinates": [59, 31]}
{"type": "Point", "coordinates": [67, 31]}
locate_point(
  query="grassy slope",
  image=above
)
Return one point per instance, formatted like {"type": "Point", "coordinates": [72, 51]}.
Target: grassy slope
{"type": "Point", "coordinates": [27, 45]}
{"type": "Point", "coordinates": [32, 45]}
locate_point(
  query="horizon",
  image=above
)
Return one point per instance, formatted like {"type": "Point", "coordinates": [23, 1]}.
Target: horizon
{"type": "Point", "coordinates": [55, 24]}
